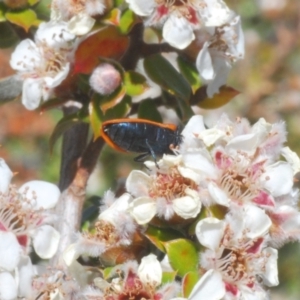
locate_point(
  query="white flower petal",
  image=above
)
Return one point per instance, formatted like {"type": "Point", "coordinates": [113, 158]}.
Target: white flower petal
{"type": "Point", "coordinates": [201, 163]}
{"type": "Point", "coordinates": [25, 274]}
{"type": "Point", "coordinates": [52, 82]}
{"type": "Point", "coordinates": [190, 174]}
{"type": "Point", "coordinates": [261, 128]}
{"type": "Point", "coordinates": [256, 221]}
{"type": "Point", "coordinates": [55, 34]}
{"type": "Point", "coordinates": [45, 241]}
{"type": "Point", "coordinates": [204, 63]}
{"type": "Point", "coordinates": [210, 136]}
{"type": "Point", "coordinates": [149, 270]}
{"type": "Point", "coordinates": [191, 132]}
{"type": "Point", "coordinates": [178, 32]}
{"type": "Point", "coordinates": [8, 287]}
{"type": "Point", "coordinates": [10, 251]}
{"type": "Point", "coordinates": [270, 277]}
{"type": "Point", "coordinates": [245, 142]}
{"type": "Point", "coordinates": [26, 56]}
{"type": "Point", "coordinates": [5, 176]}
{"type": "Point", "coordinates": [81, 24]}
{"type": "Point", "coordinates": [43, 194]}
{"type": "Point", "coordinates": [222, 67]}
{"type": "Point", "coordinates": [292, 158]}
{"type": "Point", "coordinates": [194, 127]}
{"type": "Point", "coordinates": [137, 183]}
{"type": "Point", "coordinates": [209, 232]}
{"type": "Point", "coordinates": [32, 93]}
{"type": "Point", "coordinates": [291, 218]}
{"type": "Point", "coordinates": [210, 286]}
{"type": "Point", "coordinates": [70, 254]}
{"type": "Point", "coordinates": [217, 194]}
{"type": "Point", "coordinates": [143, 209]}
{"type": "Point", "coordinates": [215, 13]}
{"type": "Point", "coordinates": [188, 206]}
{"type": "Point", "coordinates": [236, 40]}
{"type": "Point", "coordinates": [120, 205]}
{"type": "Point", "coordinates": [278, 178]}
{"type": "Point", "coordinates": [142, 7]}
{"type": "Point", "coordinates": [253, 293]}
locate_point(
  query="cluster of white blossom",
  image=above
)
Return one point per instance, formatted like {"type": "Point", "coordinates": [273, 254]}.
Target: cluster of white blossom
{"type": "Point", "coordinates": [186, 20]}
{"type": "Point", "coordinates": [243, 173]}
{"type": "Point", "coordinates": [26, 220]}
{"type": "Point", "coordinates": [247, 173]}
{"type": "Point", "coordinates": [234, 180]}
{"type": "Point", "coordinates": [42, 65]}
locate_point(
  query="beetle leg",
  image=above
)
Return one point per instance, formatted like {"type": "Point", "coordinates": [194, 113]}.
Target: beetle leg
{"type": "Point", "coordinates": [141, 157]}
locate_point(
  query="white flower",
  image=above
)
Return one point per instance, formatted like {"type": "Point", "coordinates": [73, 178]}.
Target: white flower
{"type": "Point", "coordinates": [150, 271]}
{"type": "Point", "coordinates": [77, 14]}
{"type": "Point", "coordinates": [215, 59]}
{"type": "Point", "coordinates": [234, 162]}
{"type": "Point", "coordinates": [43, 65]}
{"type": "Point", "coordinates": [24, 217]}
{"type": "Point", "coordinates": [285, 225]}
{"type": "Point", "coordinates": [236, 258]}
{"type": "Point", "coordinates": [137, 281]}
{"type": "Point", "coordinates": [17, 282]}
{"type": "Point", "coordinates": [55, 284]}
{"type": "Point", "coordinates": [167, 192]}
{"type": "Point", "coordinates": [8, 286]}
{"type": "Point", "coordinates": [292, 158]}
{"type": "Point", "coordinates": [180, 19]}
{"type": "Point", "coordinates": [114, 229]}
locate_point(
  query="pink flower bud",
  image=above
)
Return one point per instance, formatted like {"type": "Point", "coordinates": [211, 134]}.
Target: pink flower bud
{"type": "Point", "coordinates": [105, 79]}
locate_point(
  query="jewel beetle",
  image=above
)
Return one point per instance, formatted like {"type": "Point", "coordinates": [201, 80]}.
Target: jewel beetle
{"type": "Point", "coordinates": [141, 136]}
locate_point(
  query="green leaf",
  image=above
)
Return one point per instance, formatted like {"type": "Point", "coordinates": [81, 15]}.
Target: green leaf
{"type": "Point", "coordinates": [184, 110]}
{"type": "Point", "coordinates": [110, 101]}
{"type": "Point", "coordinates": [225, 95]}
{"type": "Point", "coordinates": [158, 236]}
{"type": "Point", "coordinates": [183, 256]}
{"type": "Point", "coordinates": [42, 9]}
{"type": "Point", "coordinates": [188, 282]}
{"type": "Point", "coordinates": [148, 110]}
{"type": "Point", "coordinates": [168, 277]}
{"type": "Point", "coordinates": [96, 116]}
{"type": "Point", "coordinates": [112, 17]}
{"type": "Point", "coordinates": [107, 272]}
{"type": "Point", "coordinates": [161, 71]}
{"type": "Point", "coordinates": [127, 21]}
{"type": "Point", "coordinates": [3, 10]}
{"type": "Point", "coordinates": [33, 2]}
{"type": "Point", "coordinates": [62, 126]}
{"type": "Point", "coordinates": [120, 110]}
{"type": "Point", "coordinates": [8, 37]}
{"type": "Point", "coordinates": [189, 71]}
{"type": "Point", "coordinates": [25, 18]}
{"type": "Point", "coordinates": [135, 83]}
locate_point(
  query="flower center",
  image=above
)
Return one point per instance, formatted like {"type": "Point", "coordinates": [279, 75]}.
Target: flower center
{"type": "Point", "coordinates": [183, 8]}
{"type": "Point", "coordinates": [171, 185]}
{"type": "Point", "coordinates": [242, 260]}
{"type": "Point", "coordinates": [105, 231]}
{"type": "Point", "coordinates": [16, 213]}
{"type": "Point", "coordinates": [240, 179]}
{"type": "Point", "coordinates": [54, 61]}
